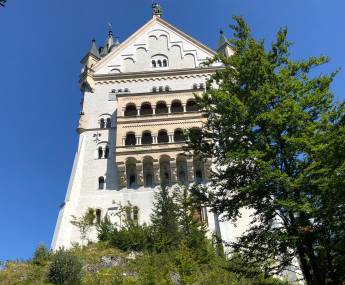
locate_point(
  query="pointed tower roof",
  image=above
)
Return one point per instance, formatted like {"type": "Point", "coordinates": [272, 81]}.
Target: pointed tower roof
{"type": "Point", "coordinates": [93, 49]}
{"type": "Point", "coordinates": [222, 41]}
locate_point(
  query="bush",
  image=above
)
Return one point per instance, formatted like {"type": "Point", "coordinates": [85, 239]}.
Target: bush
{"type": "Point", "coordinates": [65, 268]}
{"type": "Point", "coordinates": [41, 255]}
{"type": "Point", "coordinates": [132, 237]}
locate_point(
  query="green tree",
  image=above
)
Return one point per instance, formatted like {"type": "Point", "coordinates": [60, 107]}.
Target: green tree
{"type": "Point", "coordinates": [276, 139]}
{"type": "Point", "coordinates": [41, 255]}
{"type": "Point", "coordinates": [84, 223]}
{"type": "Point", "coordinates": [192, 230]}
{"type": "Point", "coordinates": [65, 268]}
{"type": "Point", "coordinates": [165, 220]}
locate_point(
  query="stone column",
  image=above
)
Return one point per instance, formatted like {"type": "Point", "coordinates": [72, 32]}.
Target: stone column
{"type": "Point", "coordinates": [173, 170]}
{"type": "Point", "coordinates": [123, 111]}
{"type": "Point", "coordinates": [121, 172]}
{"type": "Point", "coordinates": [169, 108]}
{"type": "Point", "coordinates": [138, 111]}
{"type": "Point", "coordinates": [190, 169]}
{"type": "Point", "coordinates": [154, 139]}
{"type": "Point", "coordinates": [171, 138]}
{"type": "Point", "coordinates": [123, 141]}
{"type": "Point", "coordinates": [153, 109]}
{"type": "Point", "coordinates": [138, 140]}
{"type": "Point", "coordinates": [156, 172]}
{"type": "Point", "coordinates": [140, 173]}
{"type": "Point", "coordinates": [184, 105]}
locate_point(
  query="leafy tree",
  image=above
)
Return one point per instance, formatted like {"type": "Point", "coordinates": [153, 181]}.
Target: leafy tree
{"type": "Point", "coordinates": [41, 255]}
{"type": "Point", "coordinates": [84, 223]}
{"type": "Point", "coordinates": [277, 142]}
{"type": "Point", "coordinates": [165, 220]}
{"type": "Point", "coordinates": [2, 3]}
{"type": "Point", "coordinates": [65, 268]}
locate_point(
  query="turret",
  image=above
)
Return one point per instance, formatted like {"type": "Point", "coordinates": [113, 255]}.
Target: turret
{"type": "Point", "coordinates": [224, 46]}
{"type": "Point", "coordinates": [88, 61]}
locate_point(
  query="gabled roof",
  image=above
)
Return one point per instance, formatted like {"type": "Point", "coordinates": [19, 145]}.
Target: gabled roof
{"type": "Point", "coordinates": [130, 40]}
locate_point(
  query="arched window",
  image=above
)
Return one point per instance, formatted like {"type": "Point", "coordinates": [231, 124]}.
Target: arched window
{"type": "Point", "coordinates": [176, 107]}
{"type": "Point", "coordinates": [178, 136]}
{"type": "Point", "coordinates": [131, 171]}
{"type": "Point", "coordinates": [154, 64]}
{"type": "Point", "coordinates": [160, 88]}
{"type": "Point", "coordinates": [98, 216]}
{"type": "Point", "coordinates": [201, 86]}
{"type": "Point", "coordinates": [101, 183]}
{"type": "Point", "coordinates": [135, 214]}
{"type": "Point", "coordinates": [191, 106]}
{"type": "Point", "coordinates": [154, 89]}
{"type": "Point", "coordinates": [146, 138]}
{"type": "Point", "coordinates": [108, 123]}
{"type": "Point", "coordinates": [181, 169]}
{"type": "Point", "coordinates": [130, 110]}
{"type": "Point", "coordinates": [159, 63]}
{"type": "Point", "coordinates": [163, 136]}
{"type": "Point", "coordinates": [102, 123]}
{"type": "Point", "coordinates": [146, 109]}
{"type": "Point", "coordinates": [106, 152]}
{"type": "Point", "coordinates": [119, 90]}
{"type": "Point", "coordinates": [165, 63]}
{"type": "Point", "coordinates": [161, 107]}
{"type": "Point", "coordinates": [167, 88]}
{"type": "Point", "coordinates": [165, 173]}
{"type": "Point", "coordinates": [195, 86]}
{"type": "Point", "coordinates": [126, 90]}
{"type": "Point", "coordinates": [100, 152]}
{"type": "Point", "coordinates": [130, 139]}
{"type": "Point", "coordinates": [148, 171]}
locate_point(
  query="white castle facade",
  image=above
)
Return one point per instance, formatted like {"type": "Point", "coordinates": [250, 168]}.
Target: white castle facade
{"type": "Point", "coordinates": [137, 98]}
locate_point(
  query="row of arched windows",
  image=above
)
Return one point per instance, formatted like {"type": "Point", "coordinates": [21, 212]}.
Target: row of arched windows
{"type": "Point", "coordinates": [162, 137]}
{"type": "Point", "coordinates": [125, 90]}
{"type": "Point", "coordinates": [132, 214]}
{"type": "Point", "coordinates": [161, 89]}
{"type": "Point", "coordinates": [165, 171]}
{"type": "Point", "coordinates": [197, 86]}
{"type": "Point", "coordinates": [161, 108]}
{"type": "Point", "coordinates": [159, 63]}
{"type": "Point", "coordinates": [105, 123]}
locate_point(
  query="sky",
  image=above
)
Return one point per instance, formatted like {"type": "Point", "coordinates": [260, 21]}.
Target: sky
{"type": "Point", "coordinates": [41, 44]}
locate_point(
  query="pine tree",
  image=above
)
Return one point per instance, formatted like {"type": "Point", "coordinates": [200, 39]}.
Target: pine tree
{"type": "Point", "coordinates": [165, 220]}
{"type": "Point", "coordinates": [277, 141]}
{"type": "Point", "coordinates": [192, 229]}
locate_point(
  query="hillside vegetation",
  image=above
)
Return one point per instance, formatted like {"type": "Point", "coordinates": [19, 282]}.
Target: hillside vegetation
{"type": "Point", "coordinates": [173, 250]}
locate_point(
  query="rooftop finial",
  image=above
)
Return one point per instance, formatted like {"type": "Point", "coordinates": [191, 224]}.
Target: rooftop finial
{"type": "Point", "coordinates": [110, 26]}
{"type": "Point", "coordinates": [157, 10]}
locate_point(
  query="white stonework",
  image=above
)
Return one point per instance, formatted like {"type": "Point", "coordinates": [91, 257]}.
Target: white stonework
{"type": "Point", "coordinates": [157, 56]}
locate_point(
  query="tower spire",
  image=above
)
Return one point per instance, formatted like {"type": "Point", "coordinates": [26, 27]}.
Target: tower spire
{"type": "Point", "coordinates": [156, 10]}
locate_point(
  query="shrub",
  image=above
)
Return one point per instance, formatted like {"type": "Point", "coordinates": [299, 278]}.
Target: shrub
{"type": "Point", "coordinates": [41, 255]}
{"type": "Point", "coordinates": [65, 268]}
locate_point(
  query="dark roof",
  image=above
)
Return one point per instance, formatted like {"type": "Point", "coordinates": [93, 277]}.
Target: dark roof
{"type": "Point", "coordinates": [93, 49]}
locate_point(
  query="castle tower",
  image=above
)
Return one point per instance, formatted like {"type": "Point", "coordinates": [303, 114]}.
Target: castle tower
{"type": "Point", "coordinates": [137, 99]}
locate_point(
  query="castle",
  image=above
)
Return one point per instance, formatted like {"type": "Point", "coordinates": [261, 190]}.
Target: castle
{"type": "Point", "coordinates": [137, 99]}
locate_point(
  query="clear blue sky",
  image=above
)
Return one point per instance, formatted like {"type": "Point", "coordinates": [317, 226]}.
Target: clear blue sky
{"type": "Point", "coordinates": [41, 44]}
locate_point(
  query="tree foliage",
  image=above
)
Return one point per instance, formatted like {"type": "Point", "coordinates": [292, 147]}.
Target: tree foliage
{"type": "Point", "coordinates": [65, 268]}
{"type": "Point", "coordinates": [276, 138]}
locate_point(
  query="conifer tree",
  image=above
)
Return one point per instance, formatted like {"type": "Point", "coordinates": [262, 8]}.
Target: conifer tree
{"type": "Point", "coordinates": [277, 142]}
{"type": "Point", "coordinates": [165, 219]}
